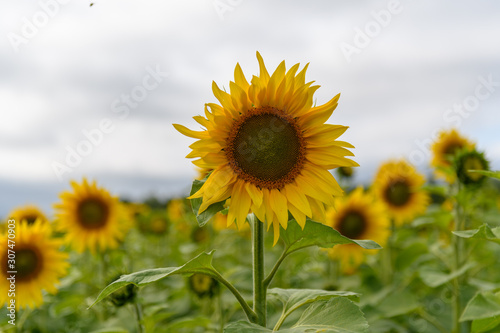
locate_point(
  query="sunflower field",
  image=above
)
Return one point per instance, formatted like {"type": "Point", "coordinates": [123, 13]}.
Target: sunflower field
{"type": "Point", "coordinates": [274, 236]}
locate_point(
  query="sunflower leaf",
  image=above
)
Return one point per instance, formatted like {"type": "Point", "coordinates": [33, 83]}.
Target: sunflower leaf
{"type": "Point", "coordinates": [245, 326]}
{"type": "Point", "coordinates": [483, 233]}
{"type": "Point", "coordinates": [293, 299]}
{"type": "Point", "coordinates": [334, 316]}
{"type": "Point", "coordinates": [318, 234]}
{"type": "Point", "coordinates": [491, 174]}
{"type": "Point", "coordinates": [199, 264]}
{"type": "Point", "coordinates": [337, 315]}
{"type": "Point", "coordinates": [208, 213]}
{"type": "Point", "coordinates": [483, 305]}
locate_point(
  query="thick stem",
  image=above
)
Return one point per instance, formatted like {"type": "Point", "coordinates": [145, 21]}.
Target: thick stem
{"type": "Point", "coordinates": [259, 290]}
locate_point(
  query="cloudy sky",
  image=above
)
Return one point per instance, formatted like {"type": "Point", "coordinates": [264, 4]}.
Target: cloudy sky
{"type": "Point", "coordinates": [109, 80]}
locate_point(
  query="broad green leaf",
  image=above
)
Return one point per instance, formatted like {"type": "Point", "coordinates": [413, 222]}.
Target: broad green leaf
{"type": "Point", "coordinates": [200, 264]}
{"type": "Point", "coordinates": [338, 315]}
{"type": "Point", "coordinates": [294, 298]}
{"type": "Point", "coordinates": [208, 213]}
{"type": "Point", "coordinates": [491, 174]}
{"type": "Point", "coordinates": [482, 305]}
{"type": "Point", "coordinates": [484, 232]}
{"type": "Point", "coordinates": [245, 327]}
{"type": "Point", "coordinates": [334, 316]}
{"type": "Point", "coordinates": [485, 325]}
{"type": "Point", "coordinates": [409, 255]}
{"type": "Point", "coordinates": [318, 234]}
{"type": "Point", "coordinates": [398, 303]}
{"type": "Point", "coordinates": [434, 277]}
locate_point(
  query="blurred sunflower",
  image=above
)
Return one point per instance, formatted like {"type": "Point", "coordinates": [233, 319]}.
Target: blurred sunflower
{"type": "Point", "coordinates": [176, 213]}
{"type": "Point", "coordinates": [443, 151]}
{"type": "Point", "coordinates": [269, 148]}
{"type": "Point", "coordinates": [91, 218]}
{"type": "Point", "coordinates": [39, 264]}
{"type": "Point", "coordinates": [398, 186]}
{"type": "Point", "coordinates": [345, 172]}
{"type": "Point", "coordinates": [470, 160]}
{"type": "Point", "coordinates": [203, 285]}
{"type": "Point", "coordinates": [357, 216]}
{"type": "Point", "coordinates": [28, 213]}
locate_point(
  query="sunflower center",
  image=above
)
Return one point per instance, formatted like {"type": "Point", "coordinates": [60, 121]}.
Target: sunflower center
{"type": "Point", "coordinates": [28, 264]}
{"type": "Point", "coordinates": [266, 147]}
{"type": "Point", "coordinates": [93, 213]}
{"type": "Point", "coordinates": [352, 225]}
{"type": "Point", "coordinates": [473, 163]}
{"type": "Point", "coordinates": [30, 219]}
{"type": "Point", "coordinates": [398, 193]}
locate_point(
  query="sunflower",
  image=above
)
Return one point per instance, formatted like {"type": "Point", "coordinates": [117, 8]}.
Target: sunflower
{"type": "Point", "coordinates": [28, 213]}
{"type": "Point", "coordinates": [38, 262]}
{"type": "Point", "coordinates": [444, 149]}
{"type": "Point", "coordinates": [398, 186]}
{"type": "Point", "coordinates": [470, 160]}
{"type": "Point", "coordinates": [357, 216]}
{"type": "Point", "coordinates": [91, 218]}
{"type": "Point", "coordinates": [269, 148]}
{"type": "Point", "coordinates": [203, 285]}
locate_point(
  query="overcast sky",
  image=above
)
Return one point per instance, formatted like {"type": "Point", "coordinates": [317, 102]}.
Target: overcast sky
{"type": "Point", "coordinates": [129, 69]}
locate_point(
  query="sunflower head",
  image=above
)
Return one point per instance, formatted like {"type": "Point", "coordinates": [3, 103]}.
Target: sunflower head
{"type": "Point", "coordinates": [357, 216]}
{"type": "Point", "coordinates": [267, 144]}
{"type": "Point", "coordinates": [444, 150]}
{"type": "Point", "coordinates": [398, 185]}
{"type": "Point", "coordinates": [123, 295]}
{"type": "Point", "coordinates": [91, 218]}
{"type": "Point", "coordinates": [39, 264]}
{"type": "Point", "coordinates": [203, 285]}
{"type": "Point", "coordinates": [28, 214]}
{"type": "Point", "coordinates": [345, 172]}
{"type": "Point", "coordinates": [153, 222]}
{"type": "Point", "coordinates": [470, 160]}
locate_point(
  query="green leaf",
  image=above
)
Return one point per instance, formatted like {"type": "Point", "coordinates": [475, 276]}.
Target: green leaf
{"type": "Point", "coordinates": [484, 233]}
{"type": "Point", "coordinates": [208, 213]}
{"type": "Point", "coordinates": [318, 234]}
{"type": "Point", "coordinates": [484, 325]}
{"type": "Point", "coordinates": [491, 174]}
{"type": "Point", "coordinates": [334, 316]}
{"type": "Point", "coordinates": [245, 327]}
{"type": "Point", "coordinates": [200, 264]}
{"type": "Point", "coordinates": [483, 305]}
{"type": "Point", "coordinates": [293, 298]}
{"type": "Point", "coordinates": [398, 303]}
{"type": "Point", "coordinates": [338, 315]}
{"type": "Point", "coordinates": [434, 277]}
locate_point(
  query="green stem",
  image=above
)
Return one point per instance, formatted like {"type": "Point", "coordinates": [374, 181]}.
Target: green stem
{"type": "Point", "coordinates": [138, 313]}
{"type": "Point", "coordinates": [259, 289]}
{"type": "Point", "coordinates": [456, 263]}
{"type": "Point", "coordinates": [251, 315]}
{"type": "Point", "coordinates": [387, 258]}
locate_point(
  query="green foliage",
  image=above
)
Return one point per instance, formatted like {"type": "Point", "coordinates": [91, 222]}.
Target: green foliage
{"type": "Point", "coordinates": [200, 264]}
{"type": "Point", "coordinates": [485, 232]}
{"type": "Point", "coordinates": [337, 315]}
{"type": "Point", "coordinates": [317, 234]}
{"type": "Point", "coordinates": [207, 214]}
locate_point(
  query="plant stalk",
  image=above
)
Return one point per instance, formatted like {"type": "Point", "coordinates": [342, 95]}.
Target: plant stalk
{"type": "Point", "coordinates": [259, 289]}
